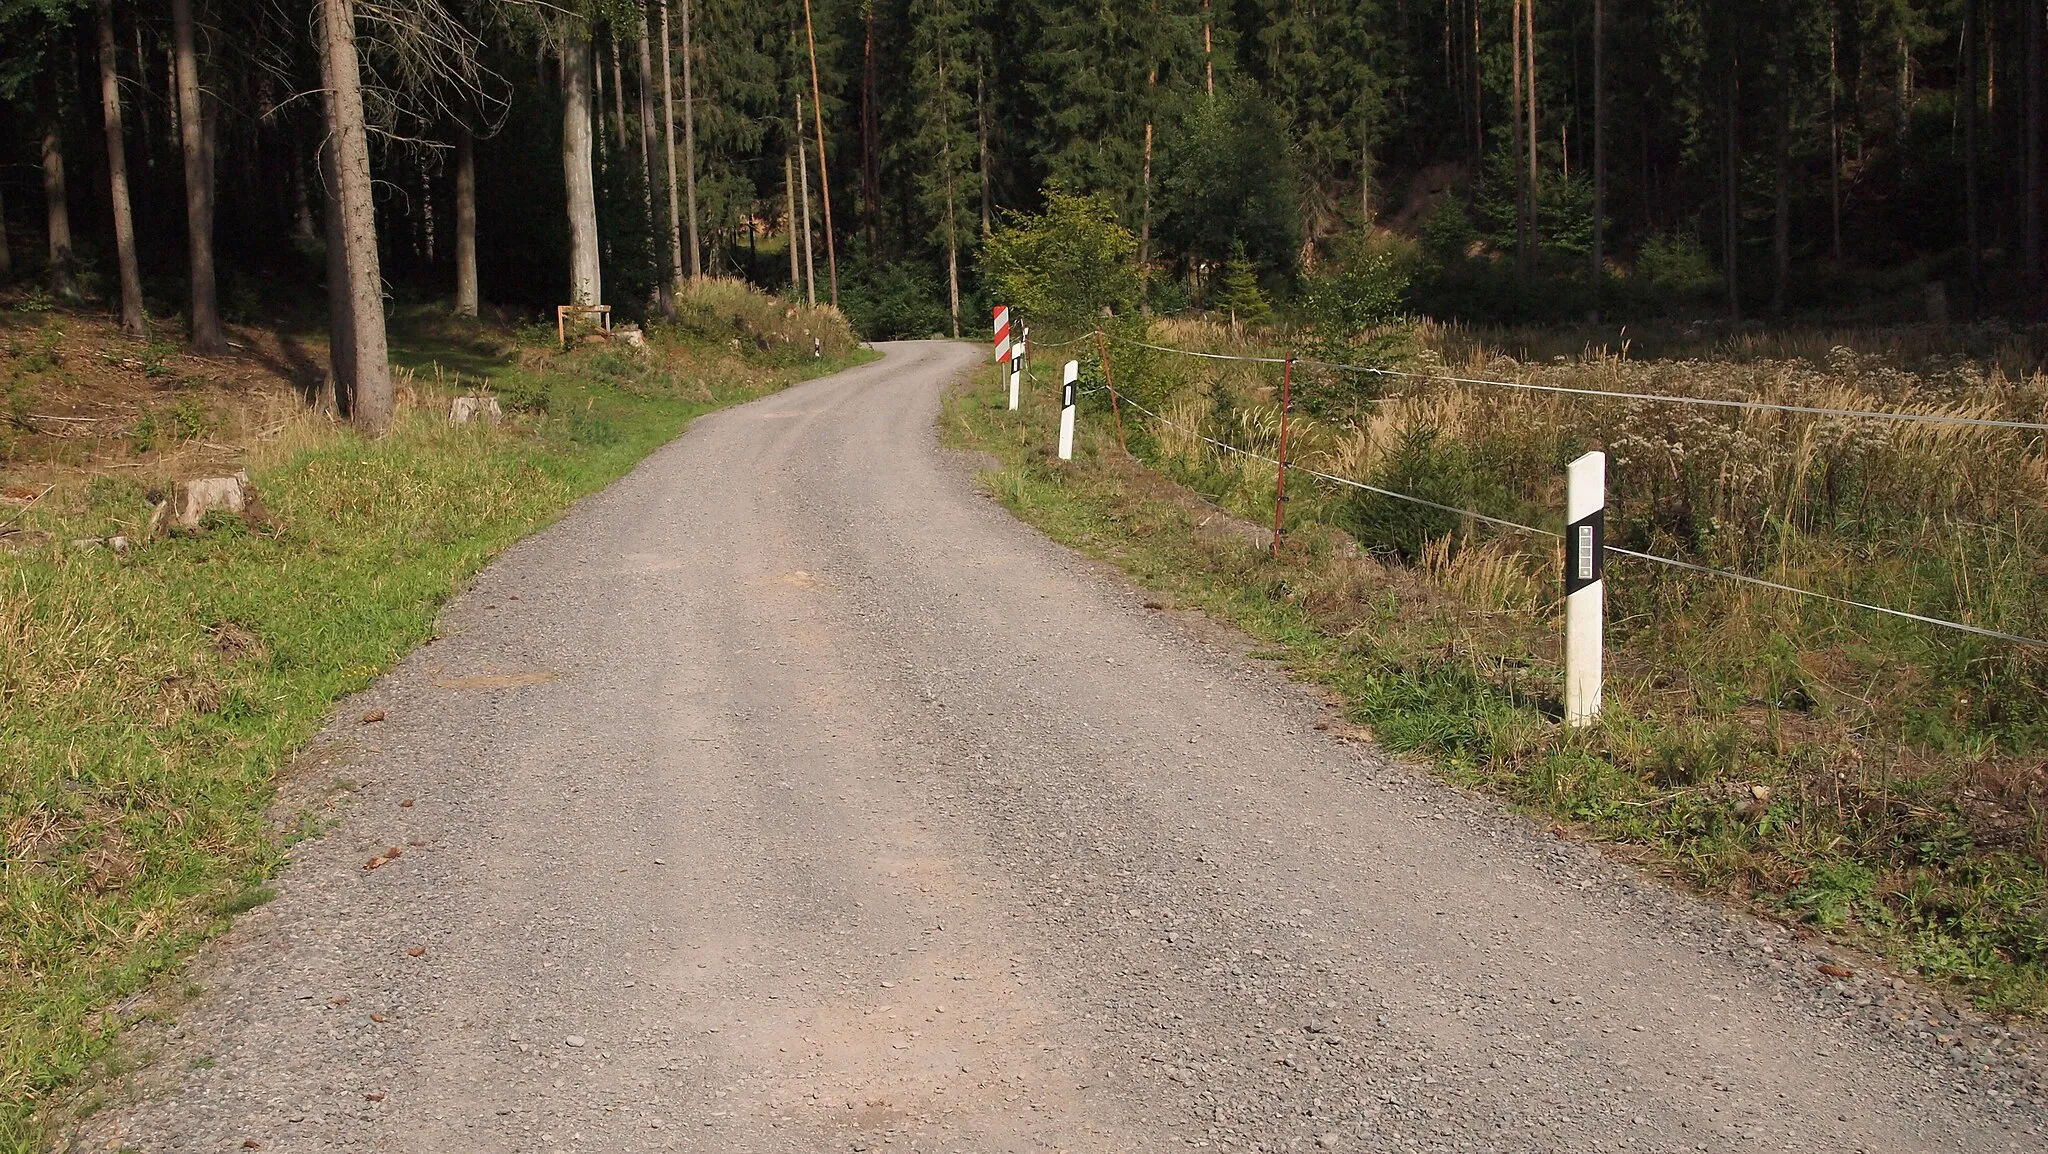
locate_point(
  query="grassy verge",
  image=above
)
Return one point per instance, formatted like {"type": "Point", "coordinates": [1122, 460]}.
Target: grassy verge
{"type": "Point", "coordinates": [148, 699]}
{"type": "Point", "coordinates": [1792, 812]}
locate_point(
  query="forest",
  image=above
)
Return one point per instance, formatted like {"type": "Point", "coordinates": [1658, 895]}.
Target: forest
{"type": "Point", "coordinates": [1527, 161]}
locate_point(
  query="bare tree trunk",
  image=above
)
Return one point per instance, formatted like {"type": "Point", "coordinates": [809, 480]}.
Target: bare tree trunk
{"type": "Point", "coordinates": [690, 149]}
{"type": "Point", "coordinates": [586, 279]}
{"type": "Point", "coordinates": [803, 176]}
{"type": "Point", "coordinates": [1478, 95]}
{"type": "Point", "coordinates": [56, 200]}
{"type": "Point", "coordinates": [796, 280]}
{"type": "Point", "coordinates": [665, 276]}
{"type": "Point", "coordinates": [207, 335]}
{"type": "Point", "coordinates": [372, 402]}
{"type": "Point", "coordinates": [1208, 50]}
{"type": "Point", "coordinates": [1781, 222]}
{"type": "Point", "coordinates": [981, 137]}
{"type": "Point", "coordinates": [1529, 46]}
{"type": "Point", "coordinates": [6, 250]}
{"type": "Point", "coordinates": [824, 174]}
{"type": "Point", "coordinates": [1972, 212]}
{"type": "Point", "coordinates": [618, 95]}
{"type": "Point", "coordinates": [117, 177]}
{"type": "Point", "coordinates": [465, 223]}
{"type": "Point", "coordinates": [1732, 218]}
{"type": "Point", "coordinates": [2031, 229]}
{"type": "Point", "coordinates": [339, 395]}
{"type": "Point", "coordinates": [1145, 222]}
{"type": "Point", "coordinates": [1599, 154]}
{"type": "Point", "coordinates": [952, 243]}
{"type": "Point", "coordinates": [1515, 138]}
{"type": "Point", "coordinates": [1835, 142]}
{"type": "Point", "coordinates": [668, 123]}
{"type": "Point", "coordinates": [142, 106]}
{"type": "Point", "coordinates": [1365, 176]}
{"type": "Point", "coordinates": [871, 141]}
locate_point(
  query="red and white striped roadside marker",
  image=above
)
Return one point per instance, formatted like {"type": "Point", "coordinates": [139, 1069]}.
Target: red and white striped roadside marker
{"type": "Point", "coordinates": [1003, 336]}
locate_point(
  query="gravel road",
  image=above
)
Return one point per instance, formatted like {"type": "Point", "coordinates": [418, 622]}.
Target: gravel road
{"type": "Point", "coordinates": [790, 796]}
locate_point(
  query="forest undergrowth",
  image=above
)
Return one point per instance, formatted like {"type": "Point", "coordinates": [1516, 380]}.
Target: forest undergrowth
{"type": "Point", "coordinates": [150, 698]}
{"type": "Point", "coordinates": [1875, 779]}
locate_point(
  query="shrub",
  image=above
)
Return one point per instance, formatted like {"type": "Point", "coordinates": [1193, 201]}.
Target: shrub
{"type": "Point", "coordinates": [1066, 265]}
{"type": "Point", "coordinates": [1425, 465]}
{"type": "Point", "coordinates": [1676, 263]}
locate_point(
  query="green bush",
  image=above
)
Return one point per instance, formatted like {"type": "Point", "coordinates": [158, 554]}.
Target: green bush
{"type": "Point", "coordinates": [1434, 468]}
{"type": "Point", "coordinates": [1676, 264]}
{"type": "Point", "coordinates": [1064, 267]}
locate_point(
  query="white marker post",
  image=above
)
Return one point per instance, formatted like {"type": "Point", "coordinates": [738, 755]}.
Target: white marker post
{"type": "Point", "coordinates": [1017, 366]}
{"type": "Point", "coordinates": [1070, 395]}
{"type": "Point", "coordinates": [1585, 510]}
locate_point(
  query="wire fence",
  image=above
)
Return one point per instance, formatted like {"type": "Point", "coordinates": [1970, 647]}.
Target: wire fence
{"type": "Point", "coordinates": [1607, 394]}
{"type": "Point", "coordinates": [1283, 467]}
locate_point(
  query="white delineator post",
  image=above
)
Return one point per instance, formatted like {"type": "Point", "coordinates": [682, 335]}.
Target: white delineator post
{"type": "Point", "coordinates": [1016, 365]}
{"type": "Point", "coordinates": [1585, 511]}
{"type": "Point", "coordinates": [1070, 395]}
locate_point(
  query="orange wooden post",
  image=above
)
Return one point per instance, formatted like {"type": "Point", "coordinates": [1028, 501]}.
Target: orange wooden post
{"type": "Point", "coordinates": [1114, 408]}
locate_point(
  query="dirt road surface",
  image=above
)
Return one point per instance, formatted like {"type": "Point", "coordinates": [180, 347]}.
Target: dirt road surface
{"type": "Point", "coordinates": [790, 796]}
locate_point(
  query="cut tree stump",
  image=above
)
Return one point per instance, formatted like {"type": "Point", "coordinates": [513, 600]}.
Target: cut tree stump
{"type": "Point", "coordinates": [192, 500]}
{"type": "Point", "coordinates": [464, 410]}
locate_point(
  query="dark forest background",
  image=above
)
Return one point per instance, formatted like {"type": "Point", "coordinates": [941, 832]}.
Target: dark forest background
{"type": "Point", "coordinates": [1866, 160]}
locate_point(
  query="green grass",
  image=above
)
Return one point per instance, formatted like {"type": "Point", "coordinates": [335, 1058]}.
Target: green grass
{"type": "Point", "coordinates": [148, 701]}
{"type": "Point", "coordinates": [1760, 805]}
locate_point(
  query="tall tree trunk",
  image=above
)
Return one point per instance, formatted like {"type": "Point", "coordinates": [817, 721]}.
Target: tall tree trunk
{"type": "Point", "coordinates": [981, 141]}
{"type": "Point", "coordinates": [618, 96]}
{"type": "Point", "coordinates": [56, 201]}
{"type": "Point", "coordinates": [1208, 51]}
{"type": "Point", "coordinates": [1515, 141]}
{"type": "Point", "coordinates": [586, 283]}
{"type": "Point", "coordinates": [1781, 219]}
{"type": "Point", "coordinates": [465, 223]}
{"type": "Point", "coordinates": [208, 337]}
{"type": "Point", "coordinates": [1529, 46]}
{"type": "Point", "coordinates": [1478, 95]}
{"type": "Point", "coordinates": [6, 250]}
{"type": "Point", "coordinates": [142, 105]}
{"type": "Point", "coordinates": [1972, 213]}
{"type": "Point", "coordinates": [668, 122]}
{"type": "Point", "coordinates": [824, 173]}
{"type": "Point", "coordinates": [952, 241]}
{"type": "Point", "coordinates": [1731, 224]}
{"type": "Point", "coordinates": [665, 276]}
{"type": "Point", "coordinates": [117, 177]}
{"type": "Point", "coordinates": [871, 140]}
{"type": "Point", "coordinates": [373, 401]}
{"type": "Point", "coordinates": [2031, 228]}
{"type": "Point", "coordinates": [339, 395]}
{"type": "Point", "coordinates": [1145, 209]}
{"type": "Point", "coordinates": [690, 148]}
{"type": "Point", "coordinates": [1904, 89]}
{"type": "Point", "coordinates": [1365, 176]}
{"type": "Point", "coordinates": [796, 280]}
{"type": "Point", "coordinates": [600, 145]}
{"type": "Point", "coordinates": [1599, 153]}
{"type": "Point", "coordinates": [302, 191]}
{"type": "Point", "coordinates": [1835, 142]}
{"type": "Point", "coordinates": [803, 177]}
